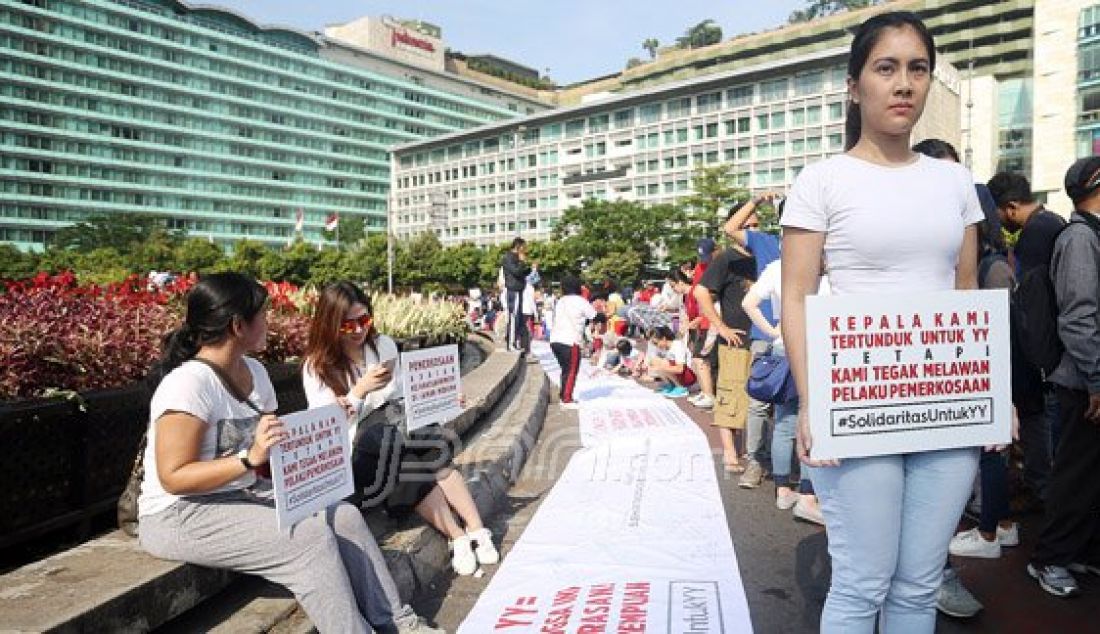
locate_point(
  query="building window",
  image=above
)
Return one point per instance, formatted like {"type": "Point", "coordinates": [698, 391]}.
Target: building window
{"type": "Point", "coordinates": [739, 96]}
{"type": "Point", "coordinates": [774, 90]}
{"type": "Point", "coordinates": [809, 83]}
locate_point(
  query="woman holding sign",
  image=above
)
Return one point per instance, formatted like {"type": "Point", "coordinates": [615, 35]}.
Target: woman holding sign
{"type": "Point", "coordinates": [887, 220]}
{"type": "Point", "coordinates": [350, 363]}
{"type": "Point", "coordinates": [211, 427]}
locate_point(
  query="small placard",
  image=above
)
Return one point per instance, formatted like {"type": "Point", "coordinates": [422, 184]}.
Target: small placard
{"type": "Point", "coordinates": [311, 469]}
{"type": "Point", "coordinates": [431, 383]}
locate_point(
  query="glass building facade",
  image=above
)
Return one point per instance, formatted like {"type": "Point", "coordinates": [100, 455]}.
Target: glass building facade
{"type": "Point", "coordinates": [1088, 82]}
{"type": "Point", "coordinates": [200, 117]}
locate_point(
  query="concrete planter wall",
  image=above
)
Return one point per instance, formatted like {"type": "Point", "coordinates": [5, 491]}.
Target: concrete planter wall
{"type": "Point", "coordinates": [67, 461]}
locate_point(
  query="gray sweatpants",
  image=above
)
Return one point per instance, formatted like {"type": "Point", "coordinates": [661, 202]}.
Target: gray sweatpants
{"type": "Point", "coordinates": [330, 561]}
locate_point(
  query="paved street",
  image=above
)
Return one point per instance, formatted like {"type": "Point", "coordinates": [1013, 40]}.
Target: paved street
{"type": "Point", "coordinates": [783, 562]}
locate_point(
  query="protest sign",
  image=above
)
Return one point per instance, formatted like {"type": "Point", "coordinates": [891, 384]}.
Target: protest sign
{"type": "Point", "coordinates": [431, 384]}
{"type": "Point", "coordinates": [903, 373]}
{"type": "Point", "coordinates": [311, 469]}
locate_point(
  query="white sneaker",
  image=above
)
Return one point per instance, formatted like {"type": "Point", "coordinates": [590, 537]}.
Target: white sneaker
{"type": "Point", "coordinates": [705, 401]}
{"type": "Point", "coordinates": [971, 544]}
{"type": "Point", "coordinates": [810, 513]}
{"type": "Point", "coordinates": [1009, 536]}
{"type": "Point", "coordinates": [692, 399]}
{"type": "Point", "coordinates": [484, 550]}
{"type": "Point", "coordinates": [787, 500]}
{"type": "Point", "coordinates": [463, 559]}
{"type": "Point", "coordinates": [573, 406]}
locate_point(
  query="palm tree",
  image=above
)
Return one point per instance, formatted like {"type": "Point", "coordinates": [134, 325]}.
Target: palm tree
{"type": "Point", "coordinates": [650, 45]}
{"type": "Point", "coordinates": [703, 34]}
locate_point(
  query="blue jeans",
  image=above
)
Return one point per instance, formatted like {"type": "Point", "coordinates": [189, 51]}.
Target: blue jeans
{"type": "Point", "coordinates": [756, 438]}
{"type": "Point", "coordinates": [889, 520]}
{"type": "Point", "coordinates": [786, 418]}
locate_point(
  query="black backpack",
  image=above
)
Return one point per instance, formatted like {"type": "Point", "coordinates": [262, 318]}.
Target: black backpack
{"type": "Point", "coordinates": [1035, 313]}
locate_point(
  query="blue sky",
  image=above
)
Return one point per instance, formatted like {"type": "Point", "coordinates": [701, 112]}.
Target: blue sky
{"type": "Point", "coordinates": [575, 39]}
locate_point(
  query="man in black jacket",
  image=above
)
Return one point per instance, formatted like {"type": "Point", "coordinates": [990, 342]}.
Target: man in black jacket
{"type": "Point", "coordinates": [515, 268]}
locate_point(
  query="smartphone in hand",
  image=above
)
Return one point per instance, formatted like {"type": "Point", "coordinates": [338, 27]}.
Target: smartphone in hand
{"type": "Point", "coordinates": [390, 365]}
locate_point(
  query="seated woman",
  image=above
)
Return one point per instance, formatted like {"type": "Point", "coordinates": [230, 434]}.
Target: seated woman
{"type": "Point", "coordinates": [350, 363]}
{"type": "Point", "coordinates": [211, 425]}
{"type": "Point", "coordinates": [670, 362]}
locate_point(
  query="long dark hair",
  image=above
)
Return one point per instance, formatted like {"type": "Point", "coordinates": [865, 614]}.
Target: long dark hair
{"type": "Point", "coordinates": [325, 351]}
{"type": "Point", "coordinates": [212, 306]}
{"type": "Point", "coordinates": [865, 39]}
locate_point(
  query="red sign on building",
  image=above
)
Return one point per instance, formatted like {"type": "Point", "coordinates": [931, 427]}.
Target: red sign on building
{"type": "Point", "coordinates": [403, 37]}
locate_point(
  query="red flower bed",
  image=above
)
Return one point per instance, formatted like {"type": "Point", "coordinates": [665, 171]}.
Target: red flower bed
{"type": "Point", "coordinates": [55, 333]}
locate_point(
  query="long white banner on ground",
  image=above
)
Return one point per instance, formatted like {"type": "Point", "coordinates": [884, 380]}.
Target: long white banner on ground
{"type": "Point", "coordinates": [632, 537]}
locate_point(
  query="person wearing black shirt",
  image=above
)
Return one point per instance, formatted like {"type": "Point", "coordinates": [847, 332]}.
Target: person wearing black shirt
{"type": "Point", "coordinates": [1035, 401]}
{"type": "Point", "coordinates": [516, 270]}
{"type": "Point", "coordinates": [726, 280]}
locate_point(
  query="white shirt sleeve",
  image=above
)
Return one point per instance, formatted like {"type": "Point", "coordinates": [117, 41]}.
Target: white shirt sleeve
{"type": "Point", "coordinates": [972, 207]}
{"type": "Point", "coordinates": [805, 207]}
{"type": "Point", "coordinates": [678, 353]}
{"type": "Point", "coordinates": [766, 287]}
{"type": "Point", "coordinates": [317, 393]}
{"type": "Point", "coordinates": [186, 390]}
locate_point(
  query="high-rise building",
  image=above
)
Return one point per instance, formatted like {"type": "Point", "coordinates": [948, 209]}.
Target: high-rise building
{"type": "Point", "coordinates": [1016, 61]}
{"type": "Point", "coordinates": [766, 121]}
{"type": "Point", "coordinates": [197, 115]}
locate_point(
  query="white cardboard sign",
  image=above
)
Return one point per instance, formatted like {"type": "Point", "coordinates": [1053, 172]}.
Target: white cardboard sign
{"type": "Point", "coordinates": [431, 383]}
{"type": "Point", "coordinates": [903, 373]}
{"type": "Point", "coordinates": [311, 469]}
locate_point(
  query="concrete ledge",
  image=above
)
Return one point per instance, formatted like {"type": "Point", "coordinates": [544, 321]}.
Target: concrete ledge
{"type": "Point", "coordinates": [111, 584]}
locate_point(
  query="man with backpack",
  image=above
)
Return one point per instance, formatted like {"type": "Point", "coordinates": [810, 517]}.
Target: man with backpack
{"type": "Point", "coordinates": [1070, 539]}
{"type": "Point", "coordinates": [1033, 322]}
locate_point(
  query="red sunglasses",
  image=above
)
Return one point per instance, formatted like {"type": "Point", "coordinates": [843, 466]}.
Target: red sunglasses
{"type": "Point", "coordinates": [359, 324]}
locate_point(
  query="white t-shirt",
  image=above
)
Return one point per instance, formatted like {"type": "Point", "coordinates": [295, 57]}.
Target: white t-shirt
{"type": "Point", "coordinates": [769, 287]}
{"type": "Point", "coordinates": [318, 394]}
{"type": "Point", "coordinates": [570, 314]}
{"type": "Point", "coordinates": [193, 388]}
{"type": "Point", "coordinates": [678, 352]}
{"type": "Point", "coordinates": [888, 229]}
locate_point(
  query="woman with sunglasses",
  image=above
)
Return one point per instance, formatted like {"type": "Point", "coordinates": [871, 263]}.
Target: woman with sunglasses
{"type": "Point", "coordinates": [350, 363]}
{"type": "Point", "coordinates": [211, 429]}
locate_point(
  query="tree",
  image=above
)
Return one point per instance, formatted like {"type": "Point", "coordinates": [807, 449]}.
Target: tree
{"type": "Point", "coordinates": [624, 267]}
{"type": "Point", "coordinates": [116, 231]}
{"type": "Point", "coordinates": [352, 230]}
{"type": "Point", "coordinates": [15, 264]}
{"type": "Point", "coordinates": [822, 8]}
{"type": "Point", "coordinates": [705, 33]}
{"type": "Point", "coordinates": [198, 254]}
{"type": "Point", "coordinates": [292, 264]}
{"type": "Point", "coordinates": [714, 192]}
{"type": "Point", "coordinates": [633, 62]}
{"type": "Point", "coordinates": [246, 257]}
{"type": "Point", "coordinates": [598, 228]}
{"type": "Point", "coordinates": [651, 45]}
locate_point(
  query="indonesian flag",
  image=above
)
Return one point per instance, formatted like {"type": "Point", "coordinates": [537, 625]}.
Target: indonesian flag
{"type": "Point", "coordinates": [300, 221]}
{"type": "Point", "coordinates": [332, 222]}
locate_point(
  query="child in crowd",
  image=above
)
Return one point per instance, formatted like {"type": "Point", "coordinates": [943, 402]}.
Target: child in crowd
{"type": "Point", "coordinates": [670, 362]}
{"type": "Point", "coordinates": [622, 359]}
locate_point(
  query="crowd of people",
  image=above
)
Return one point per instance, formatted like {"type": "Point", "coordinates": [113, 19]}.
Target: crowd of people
{"type": "Point", "coordinates": [881, 217]}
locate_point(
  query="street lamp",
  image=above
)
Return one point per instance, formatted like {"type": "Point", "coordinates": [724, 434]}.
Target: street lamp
{"type": "Point", "coordinates": [389, 224]}
{"type": "Point", "coordinates": [515, 179]}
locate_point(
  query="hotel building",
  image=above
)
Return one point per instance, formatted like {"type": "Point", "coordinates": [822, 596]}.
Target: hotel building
{"type": "Point", "coordinates": [766, 121]}
{"type": "Point", "coordinates": [223, 127]}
